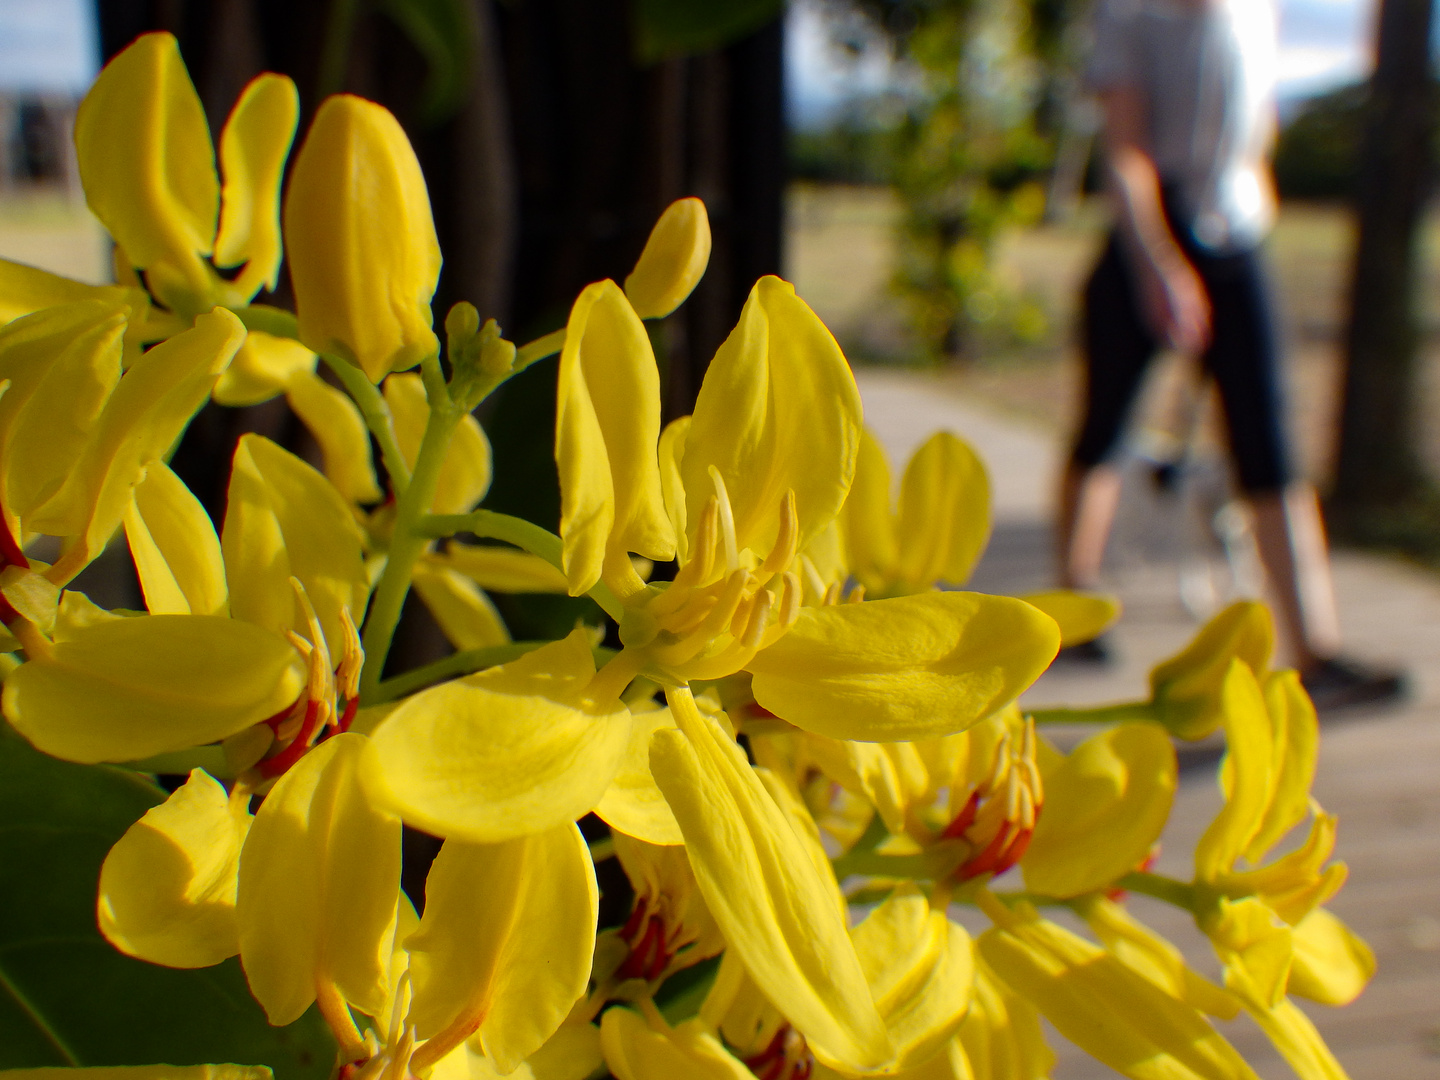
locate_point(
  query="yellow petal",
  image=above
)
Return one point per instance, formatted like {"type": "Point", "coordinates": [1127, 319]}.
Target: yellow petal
{"type": "Point", "coordinates": [147, 162]}
{"type": "Point", "coordinates": [513, 750]}
{"type": "Point", "coordinates": [131, 688]}
{"type": "Point", "coordinates": [633, 803]}
{"type": "Point", "coordinates": [920, 971]}
{"type": "Point", "coordinates": [144, 417]}
{"type": "Point", "coordinates": [778, 411]}
{"type": "Point", "coordinates": [1117, 1016]}
{"type": "Point", "coordinates": [465, 614]}
{"type": "Point", "coordinates": [253, 148]}
{"type": "Point", "coordinates": [673, 261]}
{"type": "Point", "coordinates": [1296, 740]}
{"type": "Point", "coordinates": [318, 886]}
{"type": "Point", "coordinates": [1294, 1035]}
{"type": "Point", "coordinates": [167, 888]}
{"type": "Point", "coordinates": [1001, 1036]}
{"type": "Point", "coordinates": [506, 938]}
{"type": "Point", "coordinates": [176, 552]}
{"type": "Point", "coordinates": [1104, 809]}
{"type": "Point", "coordinates": [1080, 616]}
{"type": "Point", "coordinates": [607, 431]}
{"type": "Point", "coordinates": [891, 776]}
{"type": "Point", "coordinates": [501, 569]}
{"type": "Point", "coordinates": [284, 519]}
{"type": "Point", "coordinates": [62, 364]}
{"type": "Point", "coordinates": [635, 1051]}
{"type": "Point", "coordinates": [1332, 964]}
{"type": "Point", "coordinates": [465, 473]}
{"type": "Point", "coordinates": [1186, 688]}
{"type": "Point", "coordinates": [908, 668]}
{"type": "Point", "coordinates": [144, 1072]}
{"type": "Point", "coordinates": [1255, 947]}
{"type": "Point", "coordinates": [944, 513]}
{"type": "Point", "coordinates": [758, 880]}
{"type": "Point", "coordinates": [573, 1053]}
{"type": "Point", "coordinates": [1141, 949]}
{"type": "Point", "coordinates": [262, 368]}
{"type": "Point", "coordinates": [363, 255]}
{"type": "Point", "coordinates": [25, 289]}
{"type": "Point", "coordinates": [1248, 754]}
{"type": "Point", "coordinates": [866, 523]}
{"type": "Point", "coordinates": [672, 450]}
{"type": "Point", "coordinates": [336, 424]}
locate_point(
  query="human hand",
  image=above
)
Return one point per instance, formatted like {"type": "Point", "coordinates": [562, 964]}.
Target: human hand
{"type": "Point", "coordinates": [1177, 305]}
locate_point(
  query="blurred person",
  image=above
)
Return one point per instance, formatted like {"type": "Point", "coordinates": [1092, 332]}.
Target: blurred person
{"type": "Point", "coordinates": [1187, 90]}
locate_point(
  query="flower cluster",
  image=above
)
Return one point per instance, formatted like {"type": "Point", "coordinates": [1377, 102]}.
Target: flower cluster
{"type": "Point", "coordinates": [798, 726]}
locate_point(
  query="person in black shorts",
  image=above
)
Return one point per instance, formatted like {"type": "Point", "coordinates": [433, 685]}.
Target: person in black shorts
{"type": "Point", "coordinates": [1187, 92]}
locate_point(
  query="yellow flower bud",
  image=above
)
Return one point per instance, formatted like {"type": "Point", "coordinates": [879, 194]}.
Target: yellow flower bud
{"type": "Point", "coordinates": [673, 261]}
{"type": "Point", "coordinates": [364, 259]}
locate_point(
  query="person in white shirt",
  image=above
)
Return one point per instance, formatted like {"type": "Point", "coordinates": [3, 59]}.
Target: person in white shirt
{"type": "Point", "coordinates": [1187, 88]}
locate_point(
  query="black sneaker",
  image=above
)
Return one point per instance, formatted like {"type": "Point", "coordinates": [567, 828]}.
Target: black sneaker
{"type": "Point", "coordinates": [1093, 653]}
{"type": "Point", "coordinates": [1340, 683]}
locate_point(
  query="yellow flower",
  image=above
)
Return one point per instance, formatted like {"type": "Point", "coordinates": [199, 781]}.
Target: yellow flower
{"type": "Point", "coordinates": [669, 926]}
{"type": "Point", "coordinates": [77, 433]}
{"type": "Point", "coordinates": [148, 167]}
{"type": "Point", "coordinates": [1106, 803]}
{"type": "Point", "coordinates": [1261, 920]}
{"type": "Point", "coordinates": [218, 653]}
{"type": "Point", "coordinates": [1104, 1007]}
{"type": "Point", "coordinates": [673, 261]}
{"type": "Point", "coordinates": [364, 259]}
{"type": "Point", "coordinates": [1185, 691]}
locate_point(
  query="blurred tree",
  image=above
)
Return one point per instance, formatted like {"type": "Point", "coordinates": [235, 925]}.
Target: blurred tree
{"type": "Point", "coordinates": [1380, 481]}
{"type": "Point", "coordinates": [1318, 153]}
{"type": "Point", "coordinates": [985, 109]}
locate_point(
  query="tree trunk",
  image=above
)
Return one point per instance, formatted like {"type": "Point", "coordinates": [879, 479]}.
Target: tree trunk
{"type": "Point", "coordinates": [1378, 468]}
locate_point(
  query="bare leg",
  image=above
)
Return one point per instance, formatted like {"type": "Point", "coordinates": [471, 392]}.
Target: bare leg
{"type": "Point", "coordinates": [1089, 498]}
{"type": "Point", "coordinates": [1291, 538]}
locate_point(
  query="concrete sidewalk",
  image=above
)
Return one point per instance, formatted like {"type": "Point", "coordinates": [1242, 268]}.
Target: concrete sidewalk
{"type": "Point", "coordinates": [1379, 771]}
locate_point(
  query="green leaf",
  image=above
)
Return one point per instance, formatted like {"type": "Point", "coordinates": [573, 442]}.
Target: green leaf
{"type": "Point", "coordinates": [446, 34]}
{"type": "Point", "coordinates": [666, 28]}
{"type": "Point", "coordinates": [66, 996]}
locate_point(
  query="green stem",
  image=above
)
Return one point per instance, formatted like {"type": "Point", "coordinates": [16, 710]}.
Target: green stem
{"type": "Point", "coordinates": [1099, 714]}
{"type": "Point", "coordinates": [277, 322]}
{"type": "Point", "coordinates": [376, 411]}
{"type": "Point", "coordinates": [407, 541]}
{"type": "Point", "coordinates": [1178, 893]}
{"type": "Point", "coordinates": [538, 349]}
{"type": "Point", "coordinates": [932, 864]}
{"type": "Point", "coordinates": [465, 662]}
{"type": "Point", "coordinates": [523, 534]}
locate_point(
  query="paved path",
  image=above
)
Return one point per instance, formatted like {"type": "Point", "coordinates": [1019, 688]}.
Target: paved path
{"type": "Point", "coordinates": [1380, 772]}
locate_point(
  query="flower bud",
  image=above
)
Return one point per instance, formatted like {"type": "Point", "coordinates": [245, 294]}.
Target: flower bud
{"type": "Point", "coordinates": [673, 260]}
{"type": "Point", "coordinates": [364, 258]}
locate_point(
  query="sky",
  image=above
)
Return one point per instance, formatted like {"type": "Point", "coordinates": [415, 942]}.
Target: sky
{"type": "Point", "coordinates": [1323, 43]}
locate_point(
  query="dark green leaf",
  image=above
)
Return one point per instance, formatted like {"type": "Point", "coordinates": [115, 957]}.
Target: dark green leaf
{"type": "Point", "coordinates": [66, 996]}
{"type": "Point", "coordinates": [665, 28]}
{"type": "Point", "coordinates": [446, 35]}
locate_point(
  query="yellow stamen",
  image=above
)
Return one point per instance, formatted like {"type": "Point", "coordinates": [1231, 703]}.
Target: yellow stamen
{"type": "Point", "coordinates": [727, 521]}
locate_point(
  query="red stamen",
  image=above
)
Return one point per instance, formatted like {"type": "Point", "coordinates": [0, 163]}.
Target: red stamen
{"type": "Point", "coordinates": [276, 765]}
{"type": "Point", "coordinates": [956, 829]}
{"type": "Point", "coordinates": [632, 924]}
{"type": "Point", "coordinates": [647, 956]}
{"type": "Point", "coordinates": [352, 706]}
{"type": "Point", "coordinates": [988, 859]}
{"type": "Point", "coordinates": [9, 549]}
